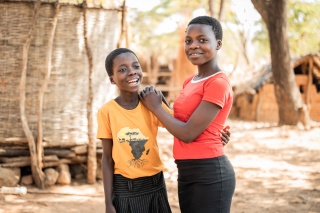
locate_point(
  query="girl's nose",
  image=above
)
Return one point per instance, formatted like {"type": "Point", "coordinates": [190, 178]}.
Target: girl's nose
{"type": "Point", "coordinates": [132, 71]}
{"type": "Point", "coordinates": [194, 46]}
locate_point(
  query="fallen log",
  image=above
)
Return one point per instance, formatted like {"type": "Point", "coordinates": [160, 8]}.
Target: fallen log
{"type": "Point", "coordinates": [48, 161]}
{"type": "Point", "coordinates": [80, 149]}
{"type": "Point", "coordinates": [13, 141]}
{"type": "Point", "coordinates": [13, 152]}
{"type": "Point", "coordinates": [66, 153]}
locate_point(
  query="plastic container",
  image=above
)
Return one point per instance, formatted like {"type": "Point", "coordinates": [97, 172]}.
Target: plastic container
{"type": "Point", "coordinates": [20, 190]}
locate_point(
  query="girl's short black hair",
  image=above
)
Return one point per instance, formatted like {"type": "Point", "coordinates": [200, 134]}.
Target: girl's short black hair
{"type": "Point", "coordinates": [112, 55]}
{"type": "Point", "coordinates": [207, 20]}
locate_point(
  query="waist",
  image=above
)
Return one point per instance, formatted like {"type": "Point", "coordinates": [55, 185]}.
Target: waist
{"type": "Point", "coordinates": [197, 150]}
{"type": "Point", "coordinates": [127, 187]}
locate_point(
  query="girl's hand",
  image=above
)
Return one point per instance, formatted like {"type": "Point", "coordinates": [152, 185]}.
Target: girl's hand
{"type": "Point", "coordinates": [151, 98]}
{"type": "Point", "coordinates": [110, 209]}
{"type": "Point", "coordinates": [225, 135]}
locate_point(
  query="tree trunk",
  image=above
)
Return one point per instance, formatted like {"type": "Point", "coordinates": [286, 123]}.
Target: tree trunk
{"type": "Point", "coordinates": [243, 41]}
{"type": "Point", "coordinates": [44, 86]}
{"type": "Point", "coordinates": [291, 107]}
{"type": "Point", "coordinates": [36, 169]}
{"type": "Point", "coordinates": [92, 157]}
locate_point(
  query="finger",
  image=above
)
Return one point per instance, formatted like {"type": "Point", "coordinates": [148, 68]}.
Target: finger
{"type": "Point", "coordinates": [142, 92]}
{"type": "Point", "coordinates": [146, 89]}
{"type": "Point", "coordinates": [224, 134]}
{"type": "Point", "coordinates": [152, 89]}
{"type": "Point", "coordinates": [224, 139]}
{"type": "Point", "coordinates": [226, 128]}
{"type": "Point", "coordinates": [158, 92]}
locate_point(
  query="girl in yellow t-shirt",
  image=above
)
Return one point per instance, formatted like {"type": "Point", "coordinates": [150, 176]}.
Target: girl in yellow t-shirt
{"type": "Point", "coordinates": [132, 168]}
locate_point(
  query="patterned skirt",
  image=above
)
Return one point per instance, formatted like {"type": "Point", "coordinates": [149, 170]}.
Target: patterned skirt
{"type": "Point", "coordinates": [140, 195]}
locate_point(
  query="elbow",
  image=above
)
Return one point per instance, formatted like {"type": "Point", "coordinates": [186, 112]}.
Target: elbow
{"type": "Point", "coordinates": [186, 134]}
{"type": "Point", "coordinates": [187, 138]}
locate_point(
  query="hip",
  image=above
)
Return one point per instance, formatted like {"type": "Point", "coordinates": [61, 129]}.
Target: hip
{"type": "Point", "coordinates": [126, 187]}
{"type": "Point", "coordinates": [202, 170]}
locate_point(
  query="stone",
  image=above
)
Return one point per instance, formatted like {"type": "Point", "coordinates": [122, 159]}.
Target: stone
{"type": "Point", "coordinates": [51, 176]}
{"type": "Point", "coordinates": [9, 176]}
{"type": "Point", "coordinates": [64, 174]}
{"type": "Point", "coordinates": [26, 180]}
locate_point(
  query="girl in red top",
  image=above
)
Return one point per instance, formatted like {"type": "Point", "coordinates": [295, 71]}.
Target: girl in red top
{"type": "Point", "coordinates": [206, 179]}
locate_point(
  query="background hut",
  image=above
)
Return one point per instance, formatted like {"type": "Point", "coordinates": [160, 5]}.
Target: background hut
{"type": "Point", "coordinates": [80, 42]}
{"type": "Point", "coordinates": [255, 99]}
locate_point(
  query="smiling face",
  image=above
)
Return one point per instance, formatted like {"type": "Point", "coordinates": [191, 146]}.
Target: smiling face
{"type": "Point", "coordinates": [201, 45]}
{"type": "Point", "coordinates": [127, 73]}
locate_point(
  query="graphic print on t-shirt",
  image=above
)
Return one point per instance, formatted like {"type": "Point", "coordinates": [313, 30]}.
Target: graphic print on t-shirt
{"type": "Point", "coordinates": [136, 141]}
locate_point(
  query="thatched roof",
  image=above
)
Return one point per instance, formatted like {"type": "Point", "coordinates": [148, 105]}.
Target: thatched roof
{"type": "Point", "coordinates": [264, 74]}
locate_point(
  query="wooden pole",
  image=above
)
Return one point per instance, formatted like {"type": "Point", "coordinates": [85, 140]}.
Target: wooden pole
{"type": "Point", "coordinates": [92, 157]}
{"type": "Point", "coordinates": [44, 86]}
{"type": "Point", "coordinates": [309, 85]}
{"type": "Point", "coordinates": [37, 173]}
{"type": "Point", "coordinates": [211, 8]}
{"type": "Point", "coordinates": [123, 32]}
{"type": "Point", "coordinates": [221, 10]}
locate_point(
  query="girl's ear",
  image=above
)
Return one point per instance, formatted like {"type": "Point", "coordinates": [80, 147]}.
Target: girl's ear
{"type": "Point", "coordinates": [219, 45]}
{"type": "Point", "coordinates": [111, 80]}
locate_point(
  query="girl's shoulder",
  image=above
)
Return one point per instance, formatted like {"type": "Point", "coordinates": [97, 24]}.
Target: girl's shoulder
{"type": "Point", "coordinates": [188, 79]}
{"type": "Point", "coordinates": [108, 105]}
{"type": "Point", "coordinates": [219, 75]}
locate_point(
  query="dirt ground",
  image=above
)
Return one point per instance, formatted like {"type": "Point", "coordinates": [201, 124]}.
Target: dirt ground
{"type": "Point", "coordinates": [277, 169]}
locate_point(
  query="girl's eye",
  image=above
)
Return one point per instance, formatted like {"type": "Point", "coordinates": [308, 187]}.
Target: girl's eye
{"type": "Point", "coordinates": [136, 67]}
{"type": "Point", "coordinates": [187, 41]}
{"type": "Point", "coordinates": [122, 69]}
{"type": "Point", "coordinates": [202, 40]}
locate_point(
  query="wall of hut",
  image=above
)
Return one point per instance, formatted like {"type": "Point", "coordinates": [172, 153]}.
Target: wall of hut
{"type": "Point", "coordinates": [65, 100]}
{"type": "Point", "coordinates": [261, 104]}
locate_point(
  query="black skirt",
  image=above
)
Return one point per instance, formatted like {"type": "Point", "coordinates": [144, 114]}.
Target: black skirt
{"type": "Point", "coordinates": [205, 185]}
{"type": "Point", "coordinates": [140, 195]}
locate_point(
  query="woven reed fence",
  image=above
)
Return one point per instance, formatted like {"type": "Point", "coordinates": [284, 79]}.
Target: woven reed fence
{"type": "Point", "coordinates": [76, 39]}
{"type": "Point", "coordinates": [64, 107]}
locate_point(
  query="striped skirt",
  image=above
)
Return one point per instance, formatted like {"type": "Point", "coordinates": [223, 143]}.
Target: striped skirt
{"type": "Point", "coordinates": [140, 195]}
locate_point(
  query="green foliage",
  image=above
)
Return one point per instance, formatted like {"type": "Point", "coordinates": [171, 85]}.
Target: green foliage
{"type": "Point", "coordinates": [303, 27]}
{"type": "Point", "coordinates": [144, 25]}
{"type": "Point", "coordinates": [261, 39]}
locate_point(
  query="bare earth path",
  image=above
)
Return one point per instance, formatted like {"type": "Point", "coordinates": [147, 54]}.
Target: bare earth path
{"type": "Point", "coordinates": [277, 169]}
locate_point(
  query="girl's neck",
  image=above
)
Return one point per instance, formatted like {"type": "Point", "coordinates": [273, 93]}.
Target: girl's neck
{"type": "Point", "coordinates": [207, 69]}
{"type": "Point", "coordinates": [128, 102]}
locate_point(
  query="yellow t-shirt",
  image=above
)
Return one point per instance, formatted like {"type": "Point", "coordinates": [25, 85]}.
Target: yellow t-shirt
{"type": "Point", "coordinates": [135, 149]}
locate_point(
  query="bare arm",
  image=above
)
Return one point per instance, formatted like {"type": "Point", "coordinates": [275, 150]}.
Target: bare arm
{"type": "Point", "coordinates": [205, 113]}
{"type": "Point", "coordinates": [107, 171]}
